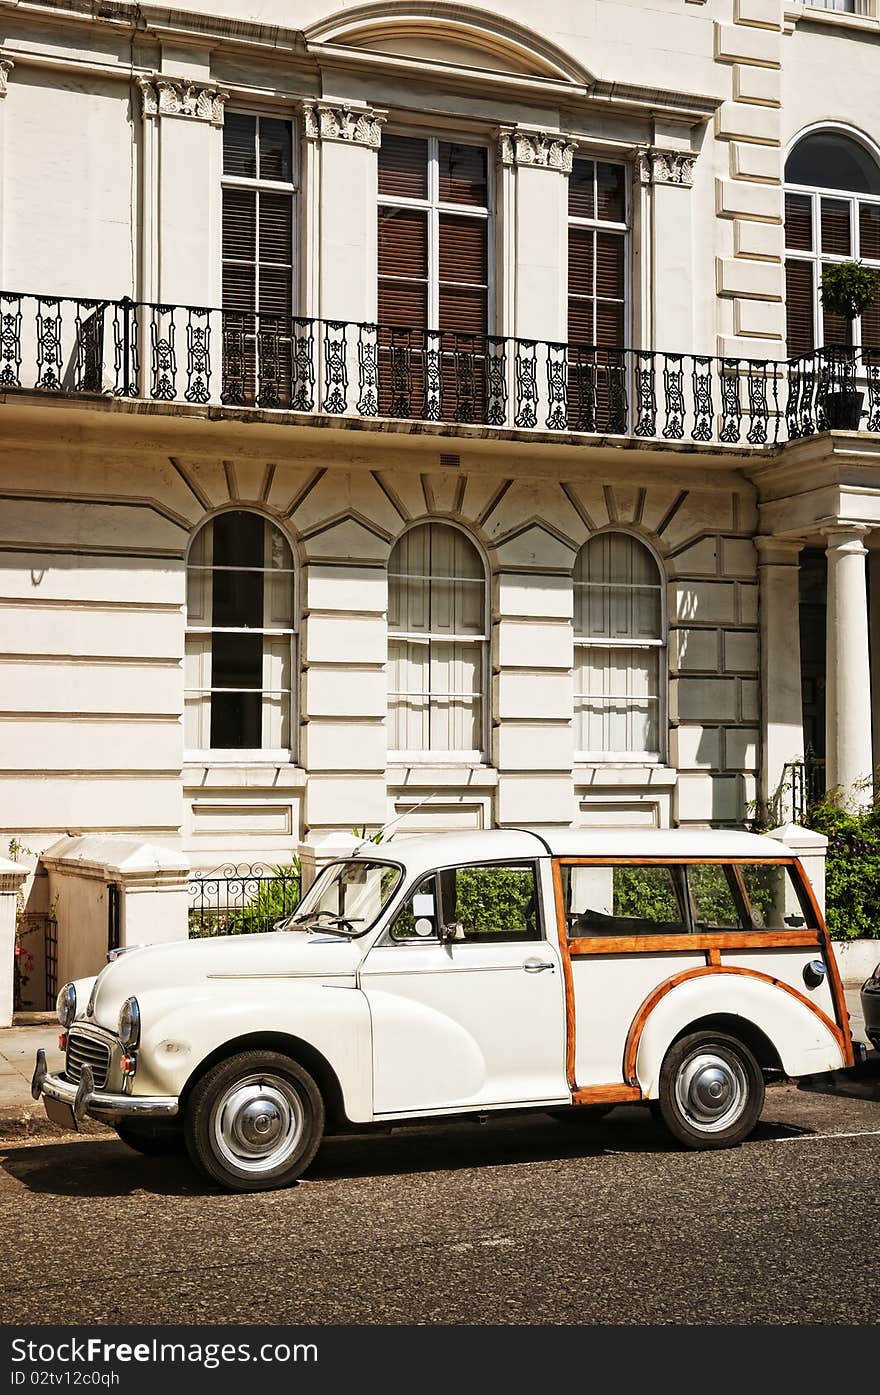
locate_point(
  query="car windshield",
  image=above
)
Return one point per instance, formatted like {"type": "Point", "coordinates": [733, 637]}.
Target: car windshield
{"type": "Point", "coordinates": [346, 898]}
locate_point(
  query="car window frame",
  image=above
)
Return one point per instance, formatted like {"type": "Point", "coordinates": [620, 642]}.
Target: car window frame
{"type": "Point", "coordinates": [534, 863]}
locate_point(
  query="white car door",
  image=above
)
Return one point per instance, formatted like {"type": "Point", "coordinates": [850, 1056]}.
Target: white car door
{"type": "Point", "coordinates": [474, 1020]}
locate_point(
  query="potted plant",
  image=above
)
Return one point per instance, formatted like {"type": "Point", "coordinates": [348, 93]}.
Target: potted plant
{"type": "Point", "coordinates": [848, 288]}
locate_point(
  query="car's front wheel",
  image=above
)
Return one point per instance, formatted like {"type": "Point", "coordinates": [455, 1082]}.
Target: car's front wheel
{"type": "Point", "coordinates": [254, 1122]}
{"type": "Point", "coordinates": [711, 1090]}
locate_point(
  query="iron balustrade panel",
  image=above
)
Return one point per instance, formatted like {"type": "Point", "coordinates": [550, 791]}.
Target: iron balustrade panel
{"type": "Point", "coordinates": [241, 899]}
{"type": "Point", "coordinates": [202, 357]}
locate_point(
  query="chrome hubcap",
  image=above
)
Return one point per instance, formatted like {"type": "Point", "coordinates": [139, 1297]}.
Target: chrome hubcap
{"type": "Point", "coordinates": [258, 1123]}
{"type": "Point", "coordinates": [711, 1090]}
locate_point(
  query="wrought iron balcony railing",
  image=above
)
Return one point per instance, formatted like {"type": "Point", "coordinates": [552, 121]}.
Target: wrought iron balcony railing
{"type": "Point", "coordinates": [190, 354]}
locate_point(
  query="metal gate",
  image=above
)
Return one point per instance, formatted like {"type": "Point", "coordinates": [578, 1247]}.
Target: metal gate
{"type": "Point", "coordinates": [35, 982]}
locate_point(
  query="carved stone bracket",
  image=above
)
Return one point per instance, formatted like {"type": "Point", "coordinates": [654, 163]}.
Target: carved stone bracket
{"type": "Point", "coordinates": [164, 96]}
{"type": "Point", "coordinates": [542, 149]}
{"type": "Point", "coordinates": [6, 66]}
{"type": "Point", "coordinates": [338, 121]}
{"type": "Point", "coordinates": [667, 167]}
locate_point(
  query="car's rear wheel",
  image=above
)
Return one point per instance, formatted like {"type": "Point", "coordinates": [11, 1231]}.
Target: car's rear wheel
{"type": "Point", "coordinates": [711, 1090]}
{"type": "Point", "coordinates": [254, 1121]}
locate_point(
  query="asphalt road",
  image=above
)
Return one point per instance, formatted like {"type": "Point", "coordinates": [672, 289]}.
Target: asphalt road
{"type": "Point", "coordinates": [532, 1222]}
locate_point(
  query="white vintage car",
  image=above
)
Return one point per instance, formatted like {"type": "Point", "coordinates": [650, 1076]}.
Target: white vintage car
{"type": "Point", "coordinates": [460, 974]}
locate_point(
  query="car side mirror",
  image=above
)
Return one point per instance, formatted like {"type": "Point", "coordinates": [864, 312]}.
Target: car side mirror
{"type": "Point", "coordinates": [452, 931]}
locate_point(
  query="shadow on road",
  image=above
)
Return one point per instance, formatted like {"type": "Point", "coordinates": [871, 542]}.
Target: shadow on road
{"type": "Point", "coordinates": [105, 1167]}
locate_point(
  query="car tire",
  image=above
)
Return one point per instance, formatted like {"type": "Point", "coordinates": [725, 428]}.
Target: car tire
{"type": "Point", "coordinates": [254, 1121]}
{"type": "Point", "coordinates": [153, 1141]}
{"type": "Point", "coordinates": [711, 1091]}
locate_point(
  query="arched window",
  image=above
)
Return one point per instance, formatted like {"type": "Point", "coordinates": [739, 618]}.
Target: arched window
{"type": "Point", "coordinates": [620, 644]}
{"type": "Point", "coordinates": [239, 637]}
{"type": "Point", "coordinates": [832, 214]}
{"type": "Point", "coordinates": [436, 643]}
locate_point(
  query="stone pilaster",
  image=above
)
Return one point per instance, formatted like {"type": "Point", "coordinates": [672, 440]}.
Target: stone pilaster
{"type": "Point", "coordinates": [782, 723]}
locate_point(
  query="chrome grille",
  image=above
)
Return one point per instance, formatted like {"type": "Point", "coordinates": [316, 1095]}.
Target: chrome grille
{"type": "Point", "coordinates": [84, 1050]}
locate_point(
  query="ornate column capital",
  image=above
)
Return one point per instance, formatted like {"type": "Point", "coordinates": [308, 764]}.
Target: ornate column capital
{"type": "Point", "coordinates": [676, 167]}
{"type": "Point", "coordinates": [6, 66]}
{"type": "Point", "coordinates": [166, 96]}
{"type": "Point", "coordinates": [339, 121]}
{"type": "Point", "coordinates": [541, 149]}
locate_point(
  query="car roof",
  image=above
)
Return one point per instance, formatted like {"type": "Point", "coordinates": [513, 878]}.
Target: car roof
{"type": "Point", "coordinates": [426, 850]}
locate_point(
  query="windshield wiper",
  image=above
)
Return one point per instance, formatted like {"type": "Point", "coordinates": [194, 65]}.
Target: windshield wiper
{"type": "Point", "coordinates": [317, 922]}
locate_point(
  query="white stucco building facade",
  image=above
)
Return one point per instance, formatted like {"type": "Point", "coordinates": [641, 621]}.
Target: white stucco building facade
{"type": "Point", "coordinates": [417, 412]}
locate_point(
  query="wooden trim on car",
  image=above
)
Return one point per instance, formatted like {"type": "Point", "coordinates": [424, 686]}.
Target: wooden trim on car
{"type": "Point", "coordinates": [722, 939]}
{"type": "Point", "coordinates": [568, 978]}
{"type": "Point", "coordinates": [637, 1026]}
{"type": "Point", "coordinates": [834, 982]}
{"type": "Point", "coordinates": [607, 1094]}
{"type": "Point", "coordinates": [713, 957]}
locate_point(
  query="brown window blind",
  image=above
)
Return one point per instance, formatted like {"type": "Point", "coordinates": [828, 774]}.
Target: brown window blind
{"type": "Point", "coordinates": [799, 222]}
{"type": "Point", "coordinates": [835, 227]}
{"type": "Point", "coordinates": [403, 167]}
{"type": "Point", "coordinates": [869, 231]}
{"type": "Point", "coordinates": [799, 306]}
{"type": "Point", "coordinates": [463, 274]}
{"type": "Point", "coordinates": [463, 174]}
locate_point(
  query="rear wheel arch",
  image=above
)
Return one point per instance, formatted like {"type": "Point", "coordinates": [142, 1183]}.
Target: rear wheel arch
{"type": "Point", "coordinates": [760, 1045]}
{"type": "Point", "coordinates": [306, 1055]}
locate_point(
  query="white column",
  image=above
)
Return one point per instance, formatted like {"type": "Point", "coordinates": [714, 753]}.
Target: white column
{"type": "Point", "coordinates": [534, 168]}
{"type": "Point", "coordinates": [667, 267]}
{"type": "Point", "coordinates": [12, 875]}
{"type": "Point", "coordinates": [6, 66]}
{"type": "Point", "coordinates": [782, 720]}
{"type": "Point", "coordinates": [849, 754]}
{"type": "Point", "coordinates": [874, 639]}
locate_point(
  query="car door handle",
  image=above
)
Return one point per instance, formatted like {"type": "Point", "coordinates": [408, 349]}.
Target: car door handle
{"type": "Point", "coordinates": [535, 966]}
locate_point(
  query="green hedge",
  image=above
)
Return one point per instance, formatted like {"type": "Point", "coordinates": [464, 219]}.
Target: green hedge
{"type": "Point", "coordinates": [852, 870]}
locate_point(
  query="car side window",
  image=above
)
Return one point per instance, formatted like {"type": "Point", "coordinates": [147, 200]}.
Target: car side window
{"type": "Point", "coordinates": [419, 916]}
{"type": "Point", "coordinates": [490, 904]}
{"type": "Point", "coordinates": [623, 899]}
{"type": "Point", "coordinates": [716, 898]}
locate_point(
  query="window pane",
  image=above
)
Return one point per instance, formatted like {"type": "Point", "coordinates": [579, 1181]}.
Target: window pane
{"type": "Point", "coordinates": [239, 145]}
{"type": "Point", "coordinates": [580, 262]}
{"type": "Point", "coordinates": [491, 904]}
{"type": "Point", "coordinates": [835, 227]}
{"type": "Point", "coordinates": [236, 721]}
{"type": "Point", "coordinates": [773, 902]}
{"type": "Point", "coordinates": [463, 249]}
{"type": "Point", "coordinates": [403, 242]}
{"type": "Point", "coordinates": [275, 150]}
{"type": "Point", "coordinates": [713, 899]}
{"type": "Point", "coordinates": [240, 224]}
{"type": "Point", "coordinates": [611, 192]}
{"type": "Point", "coordinates": [799, 306]}
{"type": "Point", "coordinates": [616, 703]}
{"type": "Point", "coordinates": [581, 190]}
{"type": "Point", "coordinates": [799, 222]}
{"type": "Point", "coordinates": [463, 177]}
{"type": "Point", "coordinates": [622, 901]}
{"type": "Point", "coordinates": [403, 167]}
{"type": "Point", "coordinates": [404, 927]}
{"type": "Point", "coordinates": [829, 160]}
{"type": "Point", "coordinates": [869, 231]}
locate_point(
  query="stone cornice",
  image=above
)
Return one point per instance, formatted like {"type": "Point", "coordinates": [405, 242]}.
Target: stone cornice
{"type": "Point", "coordinates": [674, 167]}
{"type": "Point", "coordinates": [339, 121]}
{"type": "Point", "coordinates": [166, 96]}
{"type": "Point", "coordinates": [538, 149]}
{"type": "Point", "coordinates": [6, 66]}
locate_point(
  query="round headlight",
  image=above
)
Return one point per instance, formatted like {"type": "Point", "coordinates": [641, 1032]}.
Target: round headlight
{"type": "Point", "coordinates": [65, 1005]}
{"type": "Point", "coordinates": [130, 1023]}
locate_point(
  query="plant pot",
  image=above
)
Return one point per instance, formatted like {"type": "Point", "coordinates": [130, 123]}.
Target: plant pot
{"type": "Point", "coordinates": [843, 410]}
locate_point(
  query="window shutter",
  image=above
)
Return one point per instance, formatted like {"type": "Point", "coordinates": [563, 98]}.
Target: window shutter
{"type": "Point", "coordinates": [463, 174]}
{"type": "Point", "coordinates": [799, 307]}
{"type": "Point", "coordinates": [463, 260]}
{"type": "Point", "coordinates": [799, 222]}
{"type": "Point", "coordinates": [403, 167]}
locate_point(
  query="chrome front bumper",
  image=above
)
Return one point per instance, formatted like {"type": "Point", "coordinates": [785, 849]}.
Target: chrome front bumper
{"type": "Point", "coordinates": [83, 1099]}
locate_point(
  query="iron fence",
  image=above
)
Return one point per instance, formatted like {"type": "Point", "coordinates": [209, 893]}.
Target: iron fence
{"type": "Point", "coordinates": [208, 357]}
{"type": "Point", "coordinates": [802, 786]}
{"type": "Point", "coordinates": [241, 900]}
